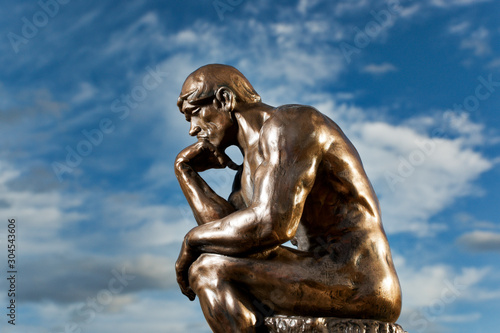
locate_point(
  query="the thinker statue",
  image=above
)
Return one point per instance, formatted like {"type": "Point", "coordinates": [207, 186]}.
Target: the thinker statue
{"type": "Point", "coordinates": [302, 181]}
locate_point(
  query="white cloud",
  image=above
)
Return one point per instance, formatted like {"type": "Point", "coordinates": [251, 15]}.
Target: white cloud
{"type": "Point", "coordinates": [86, 92]}
{"type": "Point", "coordinates": [495, 63]}
{"type": "Point", "coordinates": [318, 27]}
{"type": "Point", "coordinates": [378, 69]}
{"type": "Point", "coordinates": [481, 294]}
{"type": "Point", "coordinates": [468, 221]}
{"type": "Point", "coordinates": [480, 241]}
{"type": "Point", "coordinates": [70, 279]}
{"type": "Point", "coordinates": [349, 7]}
{"type": "Point", "coordinates": [451, 3]}
{"type": "Point", "coordinates": [155, 316]}
{"type": "Point", "coordinates": [423, 286]}
{"type": "Point", "coordinates": [408, 12]}
{"type": "Point", "coordinates": [138, 225]}
{"type": "Point", "coordinates": [284, 28]}
{"type": "Point", "coordinates": [23, 106]}
{"type": "Point", "coordinates": [40, 216]}
{"type": "Point", "coordinates": [471, 133]}
{"type": "Point", "coordinates": [285, 53]}
{"type": "Point", "coordinates": [453, 124]}
{"type": "Point", "coordinates": [304, 5]}
{"type": "Point", "coordinates": [152, 312]}
{"type": "Point", "coordinates": [459, 28]}
{"type": "Point", "coordinates": [187, 36]}
{"type": "Point", "coordinates": [415, 176]}
{"type": "Point", "coordinates": [159, 232]}
{"type": "Point", "coordinates": [461, 318]}
{"type": "Point", "coordinates": [138, 35]}
{"type": "Point", "coordinates": [419, 185]}
{"type": "Point", "coordinates": [430, 293]}
{"type": "Point", "coordinates": [478, 42]}
{"type": "Point", "coordinates": [285, 63]}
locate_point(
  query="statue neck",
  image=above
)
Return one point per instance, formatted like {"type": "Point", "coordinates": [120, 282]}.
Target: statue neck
{"type": "Point", "coordinates": [251, 118]}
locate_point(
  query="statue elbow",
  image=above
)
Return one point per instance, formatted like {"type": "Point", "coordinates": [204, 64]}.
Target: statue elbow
{"type": "Point", "coordinates": [279, 228]}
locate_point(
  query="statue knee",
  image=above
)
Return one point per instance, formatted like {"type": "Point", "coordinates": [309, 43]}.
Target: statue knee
{"type": "Point", "coordinates": [205, 272]}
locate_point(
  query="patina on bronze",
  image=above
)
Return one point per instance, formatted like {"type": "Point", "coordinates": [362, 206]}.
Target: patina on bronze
{"type": "Point", "coordinates": [301, 180]}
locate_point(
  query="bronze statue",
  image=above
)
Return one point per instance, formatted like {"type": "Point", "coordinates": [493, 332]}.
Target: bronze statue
{"type": "Point", "coordinates": [302, 181]}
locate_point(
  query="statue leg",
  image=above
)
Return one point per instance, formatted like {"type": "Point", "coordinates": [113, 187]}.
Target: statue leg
{"type": "Point", "coordinates": [237, 293]}
{"type": "Point", "coordinates": [225, 306]}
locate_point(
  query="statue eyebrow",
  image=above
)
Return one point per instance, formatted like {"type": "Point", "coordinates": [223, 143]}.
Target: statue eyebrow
{"type": "Point", "coordinates": [189, 108]}
{"type": "Point", "coordinates": [188, 111]}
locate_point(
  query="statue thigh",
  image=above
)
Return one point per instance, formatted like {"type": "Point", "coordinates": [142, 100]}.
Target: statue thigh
{"type": "Point", "coordinates": [285, 281]}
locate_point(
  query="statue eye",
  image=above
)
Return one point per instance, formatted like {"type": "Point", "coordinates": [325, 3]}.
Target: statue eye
{"type": "Point", "coordinates": [195, 111]}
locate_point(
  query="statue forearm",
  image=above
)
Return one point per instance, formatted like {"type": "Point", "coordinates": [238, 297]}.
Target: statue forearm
{"type": "Point", "coordinates": [206, 205]}
{"type": "Point", "coordinates": [243, 233]}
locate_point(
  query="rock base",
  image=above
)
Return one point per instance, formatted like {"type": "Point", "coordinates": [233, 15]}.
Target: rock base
{"type": "Point", "coordinates": [282, 324]}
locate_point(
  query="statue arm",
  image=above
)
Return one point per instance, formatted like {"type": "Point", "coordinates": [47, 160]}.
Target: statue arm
{"type": "Point", "coordinates": [206, 205]}
{"type": "Point", "coordinates": [281, 185]}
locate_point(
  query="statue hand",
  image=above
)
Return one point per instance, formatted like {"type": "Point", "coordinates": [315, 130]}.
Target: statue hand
{"type": "Point", "coordinates": [182, 268]}
{"type": "Point", "coordinates": [202, 156]}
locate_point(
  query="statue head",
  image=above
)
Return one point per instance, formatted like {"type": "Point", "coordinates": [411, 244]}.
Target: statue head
{"type": "Point", "coordinates": [207, 99]}
{"type": "Point", "coordinates": [213, 81]}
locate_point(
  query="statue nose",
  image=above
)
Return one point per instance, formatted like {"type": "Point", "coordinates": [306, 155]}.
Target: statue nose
{"type": "Point", "coordinates": [194, 130]}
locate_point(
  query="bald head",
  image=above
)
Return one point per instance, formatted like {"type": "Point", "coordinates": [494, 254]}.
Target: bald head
{"type": "Point", "coordinates": [203, 84]}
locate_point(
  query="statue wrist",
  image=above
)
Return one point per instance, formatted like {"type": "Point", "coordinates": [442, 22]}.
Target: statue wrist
{"type": "Point", "coordinates": [182, 165]}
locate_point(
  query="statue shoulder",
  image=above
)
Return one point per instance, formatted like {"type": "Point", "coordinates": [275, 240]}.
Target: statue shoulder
{"type": "Point", "coordinates": [302, 120]}
{"type": "Point", "coordinates": [297, 126]}
{"type": "Point", "coordinates": [296, 110]}
{"type": "Point", "coordinates": [295, 116]}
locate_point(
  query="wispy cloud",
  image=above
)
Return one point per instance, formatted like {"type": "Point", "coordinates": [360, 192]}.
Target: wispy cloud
{"type": "Point", "coordinates": [459, 28]}
{"type": "Point", "coordinates": [41, 212]}
{"type": "Point", "coordinates": [304, 5]}
{"type": "Point", "coordinates": [480, 241]}
{"type": "Point", "coordinates": [452, 3]}
{"type": "Point", "coordinates": [468, 221]}
{"type": "Point", "coordinates": [68, 279]}
{"type": "Point", "coordinates": [379, 69]}
{"type": "Point", "coordinates": [416, 175]}
{"type": "Point", "coordinates": [435, 286]}
{"type": "Point", "coordinates": [478, 42]}
{"type": "Point", "coordinates": [495, 63]}
{"type": "Point", "coordinates": [122, 205]}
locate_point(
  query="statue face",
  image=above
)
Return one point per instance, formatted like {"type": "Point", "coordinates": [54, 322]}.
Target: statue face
{"type": "Point", "coordinates": [209, 122]}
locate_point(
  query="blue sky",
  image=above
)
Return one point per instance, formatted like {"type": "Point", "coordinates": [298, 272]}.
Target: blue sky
{"type": "Point", "coordinates": [90, 130]}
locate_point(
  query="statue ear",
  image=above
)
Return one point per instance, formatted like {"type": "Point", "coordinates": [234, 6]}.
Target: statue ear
{"type": "Point", "coordinates": [225, 97]}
